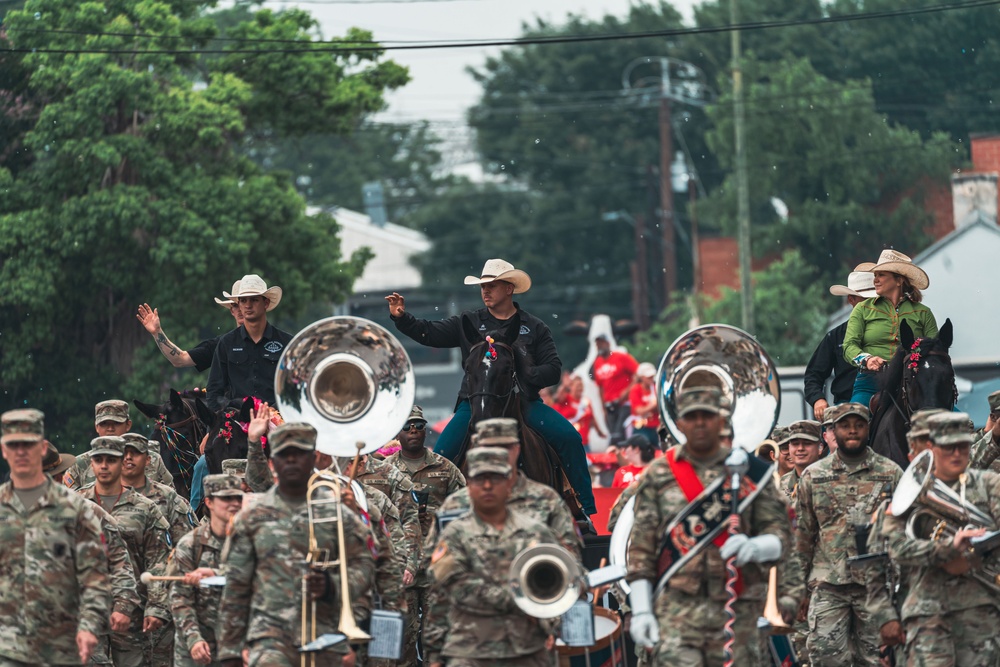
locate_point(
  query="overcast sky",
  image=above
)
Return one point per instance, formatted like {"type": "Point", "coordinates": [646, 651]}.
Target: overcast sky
{"type": "Point", "coordinates": [440, 89]}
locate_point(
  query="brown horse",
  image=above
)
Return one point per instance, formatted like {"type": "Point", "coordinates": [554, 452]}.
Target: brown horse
{"type": "Point", "coordinates": [492, 372]}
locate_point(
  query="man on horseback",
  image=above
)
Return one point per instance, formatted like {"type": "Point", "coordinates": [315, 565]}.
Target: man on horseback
{"type": "Point", "coordinates": [539, 365]}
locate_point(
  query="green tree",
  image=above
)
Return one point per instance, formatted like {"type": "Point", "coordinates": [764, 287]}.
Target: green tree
{"type": "Point", "coordinates": [137, 189]}
{"type": "Point", "coordinates": [852, 182]}
{"type": "Point", "coordinates": [789, 305]}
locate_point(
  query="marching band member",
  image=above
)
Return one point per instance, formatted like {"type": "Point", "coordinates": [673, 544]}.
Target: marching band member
{"type": "Point", "coordinates": [484, 627]}
{"type": "Point", "coordinates": [196, 609]}
{"type": "Point", "coordinates": [951, 617]}
{"type": "Point", "coordinates": [683, 624]}
{"type": "Point", "coordinates": [836, 496]}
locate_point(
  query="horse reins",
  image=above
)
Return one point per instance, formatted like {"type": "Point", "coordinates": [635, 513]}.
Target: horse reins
{"type": "Point", "coordinates": [515, 387]}
{"type": "Point", "coordinates": [173, 436]}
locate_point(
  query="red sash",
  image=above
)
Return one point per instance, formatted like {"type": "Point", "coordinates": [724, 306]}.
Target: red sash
{"type": "Point", "coordinates": [692, 487]}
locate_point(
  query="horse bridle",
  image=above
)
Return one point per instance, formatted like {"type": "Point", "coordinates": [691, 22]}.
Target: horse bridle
{"type": "Point", "coordinates": [515, 387]}
{"type": "Point", "coordinates": [173, 436]}
{"type": "Point", "coordinates": [910, 370]}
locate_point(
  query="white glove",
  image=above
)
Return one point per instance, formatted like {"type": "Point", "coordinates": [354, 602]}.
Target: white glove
{"type": "Point", "coordinates": [760, 549]}
{"type": "Point", "coordinates": [644, 629]}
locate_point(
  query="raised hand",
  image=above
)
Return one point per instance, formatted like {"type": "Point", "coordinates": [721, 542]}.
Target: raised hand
{"type": "Point", "coordinates": [149, 318]}
{"type": "Point", "coordinates": [259, 423]}
{"type": "Point", "coordinates": [396, 304]}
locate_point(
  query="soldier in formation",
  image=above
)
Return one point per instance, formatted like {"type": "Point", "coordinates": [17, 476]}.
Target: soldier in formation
{"type": "Point", "coordinates": [803, 442]}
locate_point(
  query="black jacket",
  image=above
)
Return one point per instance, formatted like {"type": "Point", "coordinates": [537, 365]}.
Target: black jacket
{"type": "Point", "coordinates": [829, 357]}
{"type": "Point", "coordinates": [538, 367]}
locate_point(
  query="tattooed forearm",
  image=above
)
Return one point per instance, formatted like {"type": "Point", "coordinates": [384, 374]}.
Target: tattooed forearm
{"type": "Point", "coordinates": [166, 346]}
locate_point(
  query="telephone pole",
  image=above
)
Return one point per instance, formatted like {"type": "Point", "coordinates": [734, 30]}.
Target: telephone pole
{"type": "Point", "coordinates": [742, 187]}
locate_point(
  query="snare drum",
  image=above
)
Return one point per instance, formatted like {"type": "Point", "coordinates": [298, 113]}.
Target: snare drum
{"type": "Point", "coordinates": [607, 627]}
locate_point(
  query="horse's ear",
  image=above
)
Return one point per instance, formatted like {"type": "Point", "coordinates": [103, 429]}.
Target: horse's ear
{"type": "Point", "coordinates": [148, 409]}
{"type": "Point", "coordinates": [946, 335]}
{"type": "Point", "coordinates": [205, 414]}
{"type": "Point", "coordinates": [469, 330]}
{"type": "Point", "coordinates": [245, 409]}
{"type": "Point", "coordinates": [906, 337]}
{"type": "Point", "coordinates": [175, 400]}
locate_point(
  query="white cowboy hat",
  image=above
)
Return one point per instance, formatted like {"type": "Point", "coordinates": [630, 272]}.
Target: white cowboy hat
{"type": "Point", "coordinates": [900, 264]}
{"type": "Point", "coordinates": [254, 285]}
{"type": "Point", "coordinates": [226, 303]}
{"type": "Point", "coordinates": [859, 283]}
{"type": "Point", "coordinates": [497, 269]}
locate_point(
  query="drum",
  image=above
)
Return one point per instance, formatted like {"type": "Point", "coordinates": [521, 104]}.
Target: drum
{"type": "Point", "coordinates": [607, 628]}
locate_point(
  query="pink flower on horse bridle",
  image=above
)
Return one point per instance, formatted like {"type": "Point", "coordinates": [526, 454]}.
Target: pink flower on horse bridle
{"type": "Point", "coordinates": [491, 352]}
{"type": "Point", "coordinates": [915, 354]}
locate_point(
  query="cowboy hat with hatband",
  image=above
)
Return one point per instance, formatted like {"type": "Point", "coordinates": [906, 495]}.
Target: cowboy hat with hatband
{"type": "Point", "coordinates": [898, 263]}
{"type": "Point", "coordinates": [859, 283]}
{"type": "Point", "coordinates": [498, 269]}
{"type": "Point", "coordinates": [226, 303]}
{"type": "Point", "coordinates": [254, 285]}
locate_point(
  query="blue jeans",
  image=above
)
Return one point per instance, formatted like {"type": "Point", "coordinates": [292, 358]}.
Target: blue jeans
{"type": "Point", "coordinates": [866, 385]}
{"type": "Point", "coordinates": [552, 426]}
{"type": "Point", "coordinates": [198, 482]}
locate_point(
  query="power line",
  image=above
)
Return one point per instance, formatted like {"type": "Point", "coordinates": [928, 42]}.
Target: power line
{"type": "Point", "coordinates": [344, 46]}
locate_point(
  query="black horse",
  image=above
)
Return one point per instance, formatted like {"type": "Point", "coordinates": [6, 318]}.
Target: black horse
{"type": "Point", "coordinates": [181, 422]}
{"type": "Point", "coordinates": [492, 368]}
{"type": "Point", "coordinates": [919, 375]}
{"type": "Point", "coordinates": [227, 436]}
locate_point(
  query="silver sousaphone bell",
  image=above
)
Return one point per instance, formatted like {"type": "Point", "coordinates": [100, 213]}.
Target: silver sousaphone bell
{"type": "Point", "coordinates": [351, 379]}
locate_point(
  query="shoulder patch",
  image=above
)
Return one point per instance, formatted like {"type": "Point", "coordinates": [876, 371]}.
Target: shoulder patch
{"type": "Point", "coordinates": [439, 553]}
{"type": "Point", "coordinates": [524, 330]}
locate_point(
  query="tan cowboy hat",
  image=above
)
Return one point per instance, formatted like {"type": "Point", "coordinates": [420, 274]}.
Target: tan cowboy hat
{"type": "Point", "coordinates": [498, 269]}
{"type": "Point", "coordinates": [900, 264]}
{"type": "Point", "coordinates": [254, 285]}
{"type": "Point", "coordinates": [859, 283]}
{"type": "Point", "coordinates": [225, 303]}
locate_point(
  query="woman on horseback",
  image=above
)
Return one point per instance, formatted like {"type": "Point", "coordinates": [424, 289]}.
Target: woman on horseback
{"type": "Point", "coordinates": [873, 330]}
{"type": "Point", "coordinates": [538, 365]}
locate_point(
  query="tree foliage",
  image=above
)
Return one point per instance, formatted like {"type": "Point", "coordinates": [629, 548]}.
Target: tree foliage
{"type": "Point", "coordinates": [131, 185]}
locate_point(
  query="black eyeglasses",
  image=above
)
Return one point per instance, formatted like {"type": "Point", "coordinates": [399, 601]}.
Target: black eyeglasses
{"type": "Point", "coordinates": [419, 426]}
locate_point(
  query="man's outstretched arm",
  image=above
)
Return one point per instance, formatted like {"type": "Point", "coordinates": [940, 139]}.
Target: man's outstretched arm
{"type": "Point", "coordinates": [150, 320]}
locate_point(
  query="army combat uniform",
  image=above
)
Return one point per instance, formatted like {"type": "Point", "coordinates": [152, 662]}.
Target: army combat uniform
{"type": "Point", "coordinates": [834, 496]}
{"type": "Point", "coordinates": [124, 581]}
{"type": "Point", "coordinates": [81, 474]}
{"type": "Point", "coordinates": [399, 489]}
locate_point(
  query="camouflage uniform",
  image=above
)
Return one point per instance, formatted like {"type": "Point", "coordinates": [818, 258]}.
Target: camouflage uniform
{"type": "Point", "coordinates": [391, 482]}
{"type": "Point", "coordinates": [144, 530]}
{"type": "Point", "coordinates": [264, 559]}
{"type": "Point", "coordinates": [690, 609]}
{"type": "Point", "coordinates": [949, 619]}
{"type": "Point", "coordinates": [124, 583]}
{"type": "Point", "coordinates": [434, 479]}
{"type": "Point", "coordinates": [388, 533]}
{"type": "Point", "coordinates": [834, 496]}
{"type": "Point", "coordinates": [52, 563]}
{"type": "Point", "coordinates": [80, 474]}
{"type": "Point", "coordinates": [258, 472]}
{"type": "Point", "coordinates": [483, 625]}
{"type": "Point", "coordinates": [196, 608]}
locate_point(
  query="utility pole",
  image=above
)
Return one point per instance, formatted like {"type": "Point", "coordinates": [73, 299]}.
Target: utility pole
{"type": "Point", "coordinates": [667, 198]}
{"type": "Point", "coordinates": [742, 187]}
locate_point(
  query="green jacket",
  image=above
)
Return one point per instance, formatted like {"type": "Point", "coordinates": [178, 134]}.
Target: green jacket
{"type": "Point", "coordinates": [874, 327]}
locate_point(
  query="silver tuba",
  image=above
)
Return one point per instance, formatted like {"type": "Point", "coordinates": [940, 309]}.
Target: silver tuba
{"type": "Point", "coordinates": [546, 580]}
{"type": "Point", "coordinates": [718, 355]}
{"type": "Point", "coordinates": [715, 355]}
{"type": "Point", "coordinates": [349, 374]}
{"type": "Point", "coordinates": [936, 512]}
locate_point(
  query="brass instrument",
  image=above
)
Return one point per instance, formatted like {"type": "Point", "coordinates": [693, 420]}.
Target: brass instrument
{"type": "Point", "coordinates": [720, 356]}
{"type": "Point", "coordinates": [353, 380]}
{"type": "Point", "coordinates": [937, 512]}
{"type": "Point", "coordinates": [546, 580]}
{"type": "Point", "coordinates": [772, 614]}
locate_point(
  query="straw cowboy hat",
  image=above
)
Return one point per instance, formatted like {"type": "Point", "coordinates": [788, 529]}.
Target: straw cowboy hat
{"type": "Point", "coordinates": [900, 264]}
{"type": "Point", "coordinates": [225, 303]}
{"type": "Point", "coordinates": [859, 283]}
{"type": "Point", "coordinates": [254, 285]}
{"type": "Point", "coordinates": [497, 269]}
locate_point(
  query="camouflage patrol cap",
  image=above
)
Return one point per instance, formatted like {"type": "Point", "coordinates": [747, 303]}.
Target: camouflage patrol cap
{"type": "Point", "coordinates": [110, 445]}
{"type": "Point", "coordinates": [497, 431]}
{"type": "Point", "coordinates": [416, 414]}
{"type": "Point", "coordinates": [994, 401]}
{"type": "Point", "coordinates": [222, 486]}
{"type": "Point", "coordinates": [115, 411]}
{"type": "Point", "coordinates": [137, 442]}
{"type": "Point", "coordinates": [835, 413]}
{"type": "Point", "coordinates": [803, 429]}
{"type": "Point", "coordinates": [918, 423]}
{"type": "Point", "coordinates": [779, 435]}
{"type": "Point", "coordinates": [950, 428]}
{"type": "Point", "coordinates": [235, 467]}
{"type": "Point", "coordinates": [25, 425]}
{"type": "Point", "coordinates": [485, 460]}
{"type": "Point", "coordinates": [708, 399]}
{"type": "Point", "coordinates": [299, 435]}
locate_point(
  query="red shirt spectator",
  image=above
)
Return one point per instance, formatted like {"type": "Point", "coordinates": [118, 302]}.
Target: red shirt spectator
{"type": "Point", "coordinates": [638, 451]}
{"type": "Point", "coordinates": [576, 409]}
{"type": "Point", "coordinates": [626, 475]}
{"type": "Point", "coordinates": [613, 372]}
{"type": "Point", "coordinates": [642, 398]}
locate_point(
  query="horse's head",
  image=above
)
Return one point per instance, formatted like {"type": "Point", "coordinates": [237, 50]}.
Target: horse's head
{"type": "Point", "coordinates": [227, 434]}
{"type": "Point", "coordinates": [181, 421]}
{"type": "Point", "coordinates": [927, 378]}
{"type": "Point", "coordinates": [490, 371]}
